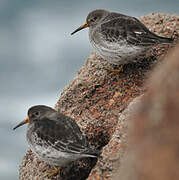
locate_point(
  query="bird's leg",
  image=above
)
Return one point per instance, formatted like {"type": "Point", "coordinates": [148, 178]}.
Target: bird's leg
{"type": "Point", "coordinates": [175, 35]}
{"type": "Point", "coordinates": [53, 172]}
{"type": "Point", "coordinates": [115, 71]}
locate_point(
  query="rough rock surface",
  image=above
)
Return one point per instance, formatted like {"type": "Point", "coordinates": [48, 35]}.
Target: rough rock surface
{"type": "Point", "coordinates": [95, 99]}
{"type": "Point", "coordinates": [154, 136]}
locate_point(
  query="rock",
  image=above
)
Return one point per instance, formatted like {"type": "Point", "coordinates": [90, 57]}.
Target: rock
{"type": "Point", "coordinates": [115, 149]}
{"type": "Point", "coordinates": [154, 136]}
{"type": "Point", "coordinates": [95, 98]}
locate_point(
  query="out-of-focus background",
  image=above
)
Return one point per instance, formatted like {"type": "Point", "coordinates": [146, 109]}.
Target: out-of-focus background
{"type": "Point", "coordinates": [38, 58]}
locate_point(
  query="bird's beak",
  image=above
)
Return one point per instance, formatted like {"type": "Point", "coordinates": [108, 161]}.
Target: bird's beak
{"type": "Point", "coordinates": [85, 25]}
{"type": "Point", "coordinates": [27, 120]}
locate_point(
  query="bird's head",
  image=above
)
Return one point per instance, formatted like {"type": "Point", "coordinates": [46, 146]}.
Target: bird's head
{"type": "Point", "coordinates": [35, 113]}
{"type": "Point", "coordinates": [92, 19]}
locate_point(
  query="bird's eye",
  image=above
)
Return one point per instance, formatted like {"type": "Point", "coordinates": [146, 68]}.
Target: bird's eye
{"type": "Point", "coordinates": [93, 19]}
{"type": "Point", "coordinates": [36, 113]}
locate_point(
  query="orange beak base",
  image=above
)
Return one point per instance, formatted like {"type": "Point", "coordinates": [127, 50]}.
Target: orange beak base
{"type": "Point", "coordinates": [27, 120]}
{"type": "Point", "coordinates": [85, 25]}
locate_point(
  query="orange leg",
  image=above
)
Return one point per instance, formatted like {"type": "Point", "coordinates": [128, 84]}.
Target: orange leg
{"type": "Point", "coordinates": [53, 172]}
{"type": "Point", "coordinates": [116, 71]}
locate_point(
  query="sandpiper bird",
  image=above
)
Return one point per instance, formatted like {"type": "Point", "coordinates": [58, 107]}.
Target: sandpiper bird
{"type": "Point", "coordinates": [118, 38]}
{"type": "Point", "coordinates": [55, 138]}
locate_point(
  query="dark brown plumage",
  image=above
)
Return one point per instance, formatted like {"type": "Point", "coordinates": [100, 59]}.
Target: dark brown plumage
{"type": "Point", "coordinates": [54, 137]}
{"type": "Point", "coordinates": [118, 38]}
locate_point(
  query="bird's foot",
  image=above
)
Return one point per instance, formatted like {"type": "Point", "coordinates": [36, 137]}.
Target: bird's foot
{"type": "Point", "coordinates": [53, 172]}
{"type": "Point", "coordinates": [115, 71]}
{"type": "Point", "coordinates": [175, 35]}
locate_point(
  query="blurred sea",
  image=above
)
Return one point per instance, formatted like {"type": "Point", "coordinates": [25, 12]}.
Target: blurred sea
{"type": "Point", "coordinates": [38, 58]}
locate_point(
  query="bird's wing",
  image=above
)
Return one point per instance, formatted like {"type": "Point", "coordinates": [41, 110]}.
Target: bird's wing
{"type": "Point", "coordinates": [127, 28]}
{"type": "Point", "coordinates": [63, 134]}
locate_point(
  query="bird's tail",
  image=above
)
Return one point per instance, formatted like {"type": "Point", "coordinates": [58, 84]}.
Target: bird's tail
{"type": "Point", "coordinates": [92, 153]}
{"type": "Point", "coordinates": [165, 40]}
{"type": "Point", "coordinates": [159, 39]}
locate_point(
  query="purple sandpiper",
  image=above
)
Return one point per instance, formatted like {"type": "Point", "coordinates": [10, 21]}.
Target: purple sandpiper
{"type": "Point", "coordinates": [119, 38]}
{"type": "Point", "coordinates": [55, 138]}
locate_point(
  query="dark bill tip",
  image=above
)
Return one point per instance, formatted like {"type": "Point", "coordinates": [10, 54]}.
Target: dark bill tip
{"type": "Point", "coordinates": [22, 123]}
{"type": "Point", "coordinates": [80, 28]}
